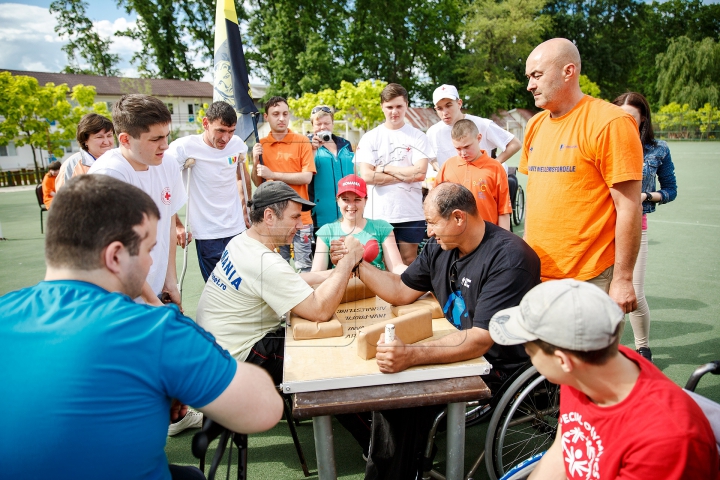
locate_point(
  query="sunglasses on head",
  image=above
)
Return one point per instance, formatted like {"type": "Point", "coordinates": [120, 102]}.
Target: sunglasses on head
{"type": "Point", "coordinates": [321, 109]}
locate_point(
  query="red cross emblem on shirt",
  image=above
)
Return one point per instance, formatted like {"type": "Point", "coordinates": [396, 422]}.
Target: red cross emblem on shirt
{"type": "Point", "coordinates": [166, 195]}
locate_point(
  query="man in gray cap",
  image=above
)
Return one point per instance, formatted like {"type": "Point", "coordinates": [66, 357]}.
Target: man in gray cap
{"type": "Point", "coordinates": [253, 286]}
{"type": "Point", "coordinates": [620, 417]}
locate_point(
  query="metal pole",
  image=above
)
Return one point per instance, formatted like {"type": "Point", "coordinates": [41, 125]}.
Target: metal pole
{"type": "Point", "coordinates": [324, 448]}
{"type": "Point", "coordinates": [456, 441]}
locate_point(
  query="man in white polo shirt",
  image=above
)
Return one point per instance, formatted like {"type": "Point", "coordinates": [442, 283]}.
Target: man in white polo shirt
{"type": "Point", "coordinates": [215, 208]}
{"type": "Point", "coordinates": [448, 107]}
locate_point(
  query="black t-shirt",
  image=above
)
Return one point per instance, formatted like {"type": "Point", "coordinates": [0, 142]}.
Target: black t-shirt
{"type": "Point", "coordinates": [501, 270]}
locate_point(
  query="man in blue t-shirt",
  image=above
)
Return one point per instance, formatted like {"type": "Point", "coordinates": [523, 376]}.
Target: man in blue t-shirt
{"type": "Point", "coordinates": [475, 269]}
{"type": "Point", "coordinates": [88, 375]}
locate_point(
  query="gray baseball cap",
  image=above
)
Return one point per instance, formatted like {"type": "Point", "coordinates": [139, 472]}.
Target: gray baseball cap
{"type": "Point", "coordinates": [274, 192]}
{"type": "Point", "coordinates": [566, 313]}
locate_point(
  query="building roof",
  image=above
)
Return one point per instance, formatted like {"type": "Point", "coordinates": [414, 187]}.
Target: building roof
{"type": "Point", "coordinates": [422, 118]}
{"type": "Point", "coordinates": [516, 115]}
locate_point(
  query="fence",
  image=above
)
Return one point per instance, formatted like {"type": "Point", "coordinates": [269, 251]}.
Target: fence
{"type": "Point", "coordinates": [24, 176]}
{"type": "Point", "coordinates": [687, 135]}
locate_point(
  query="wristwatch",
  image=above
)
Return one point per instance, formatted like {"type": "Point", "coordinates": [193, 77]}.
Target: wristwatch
{"type": "Point", "coordinates": [649, 196]}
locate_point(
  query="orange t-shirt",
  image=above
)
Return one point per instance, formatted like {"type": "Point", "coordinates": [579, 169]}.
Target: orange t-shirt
{"type": "Point", "coordinates": [571, 163]}
{"type": "Point", "coordinates": [485, 177]}
{"type": "Point", "coordinates": [292, 154]}
{"type": "Point", "coordinates": [48, 186]}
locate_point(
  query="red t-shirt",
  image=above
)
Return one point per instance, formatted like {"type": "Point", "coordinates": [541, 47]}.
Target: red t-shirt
{"type": "Point", "coordinates": [658, 431]}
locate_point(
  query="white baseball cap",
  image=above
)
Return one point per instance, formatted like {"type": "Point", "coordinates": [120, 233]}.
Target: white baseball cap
{"type": "Point", "coordinates": [445, 91]}
{"type": "Point", "coordinates": [566, 313]}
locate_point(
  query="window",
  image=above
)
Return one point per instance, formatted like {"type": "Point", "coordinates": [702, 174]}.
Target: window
{"type": "Point", "coordinates": [170, 107]}
{"type": "Point", "coordinates": [8, 150]}
{"type": "Point", "coordinates": [3, 151]}
{"type": "Point", "coordinates": [191, 109]}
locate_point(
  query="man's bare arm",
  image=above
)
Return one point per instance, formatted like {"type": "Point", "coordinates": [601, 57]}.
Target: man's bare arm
{"type": "Point", "coordinates": [511, 149]}
{"type": "Point", "coordinates": [243, 409]}
{"type": "Point", "coordinates": [387, 285]}
{"type": "Point", "coordinates": [171, 284]}
{"type": "Point", "coordinates": [628, 229]}
{"type": "Point", "coordinates": [322, 303]}
{"type": "Point", "coordinates": [504, 221]}
{"type": "Point", "coordinates": [389, 175]}
{"type": "Point", "coordinates": [456, 347]}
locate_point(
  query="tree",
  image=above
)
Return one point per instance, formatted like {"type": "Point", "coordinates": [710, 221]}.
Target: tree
{"type": "Point", "coordinates": [499, 36]}
{"type": "Point", "coordinates": [42, 116]}
{"type": "Point", "coordinates": [688, 72]}
{"type": "Point", "coordinates": [589, 87]}
{"type": "Point", "coordinates": [164, 54]}
{"type": "Point", "coordinates": [84, 40]}
{"type": "Point", "coordinates": [359, 104]}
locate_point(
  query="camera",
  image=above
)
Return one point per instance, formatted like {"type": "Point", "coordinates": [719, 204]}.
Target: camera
{"type": "Point", "coordinates": [324, 135]}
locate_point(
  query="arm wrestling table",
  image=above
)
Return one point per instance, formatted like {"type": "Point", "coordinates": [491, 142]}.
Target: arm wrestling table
{"type": "Point", "coordinates": [327, 377]}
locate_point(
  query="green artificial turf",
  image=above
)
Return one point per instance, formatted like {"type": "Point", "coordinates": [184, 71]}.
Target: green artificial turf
{"type": "Point", "coordinates": [682, 287]}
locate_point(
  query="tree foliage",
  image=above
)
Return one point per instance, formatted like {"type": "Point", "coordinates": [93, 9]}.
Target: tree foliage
{"type": "Point", "coordinates": [681, 121]}
{"type": "Point", "coordinates": [688, 72]}
{"type": "Point", "coordinates": [84, 41]}
{"type": "Point", "coordinates": [499, 36]}
{"type": "Point", "coordinates": [589, 87]}
{"type": "Point", "coordinates": [359, 104]}
{"type": "Point", "coordinates": [42, 116]}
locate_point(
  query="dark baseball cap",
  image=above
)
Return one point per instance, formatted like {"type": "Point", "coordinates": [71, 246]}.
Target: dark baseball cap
{"type": "Point", "coordinates": [274, 192]}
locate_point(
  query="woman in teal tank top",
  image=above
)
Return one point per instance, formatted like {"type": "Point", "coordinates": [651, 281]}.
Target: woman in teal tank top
{"type": "Point", "coordinates": [351, 200]}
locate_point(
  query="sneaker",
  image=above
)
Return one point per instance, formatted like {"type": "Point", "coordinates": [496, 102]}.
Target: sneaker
{"type": "Point", "coordinates": [645, 353]}
{"type": "Point", "coordinates": [193, 419]}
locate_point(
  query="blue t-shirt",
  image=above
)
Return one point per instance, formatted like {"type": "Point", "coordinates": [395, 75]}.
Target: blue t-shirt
{"type": "Point", "coordinates": [87, 377]}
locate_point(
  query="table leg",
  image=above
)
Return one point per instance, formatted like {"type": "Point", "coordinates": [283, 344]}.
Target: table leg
{"type": "Point", "coordinates": [456, 441]}
{"type": "Point", "coordinates": [324, 448]}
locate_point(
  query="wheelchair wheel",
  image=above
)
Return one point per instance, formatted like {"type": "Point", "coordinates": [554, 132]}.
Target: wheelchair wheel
{"type": "Point", "coordinates": [518, 213]}
{"type": "Point", "coordinates": [524, 423]}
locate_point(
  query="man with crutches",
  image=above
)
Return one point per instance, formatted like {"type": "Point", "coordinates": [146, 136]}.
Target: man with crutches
{"type": "Point", "coordinates": [214, 212]}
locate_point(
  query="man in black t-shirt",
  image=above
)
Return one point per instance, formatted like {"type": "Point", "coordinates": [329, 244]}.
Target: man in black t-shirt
{"type": "Point", "coordinates": [475, 269]}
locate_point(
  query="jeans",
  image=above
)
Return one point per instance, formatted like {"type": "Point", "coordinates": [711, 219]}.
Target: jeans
{"type": "Point", "coordinates": [302, 245]}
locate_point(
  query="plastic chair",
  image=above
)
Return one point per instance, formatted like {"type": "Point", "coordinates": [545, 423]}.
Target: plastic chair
{"type": "Point", "coordinates": [43, 208]}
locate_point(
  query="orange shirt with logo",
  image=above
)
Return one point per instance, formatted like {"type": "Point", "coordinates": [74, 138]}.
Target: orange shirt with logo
{"type": "Point", "coordinates": [485, 177]}
{"type": "Point", "coordinates": [292, 154]}
{"type": "Point", "coordinates": [48, 186]}
{"type": "Point", "coordinates": [571, 163]}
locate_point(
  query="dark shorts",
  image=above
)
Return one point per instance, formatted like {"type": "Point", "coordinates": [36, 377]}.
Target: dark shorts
{"type": "Point", "coordinates": [209, 253]}
{"type": "Point", "coordinates": [409, 232]}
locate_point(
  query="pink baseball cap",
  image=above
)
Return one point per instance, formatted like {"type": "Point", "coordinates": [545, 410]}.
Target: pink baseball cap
{"type": "Point", "coordinates": [352, 183]}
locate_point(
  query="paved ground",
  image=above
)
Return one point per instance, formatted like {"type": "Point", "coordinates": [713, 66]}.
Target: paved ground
{"type": "Point", "coordinates": [682, 287]}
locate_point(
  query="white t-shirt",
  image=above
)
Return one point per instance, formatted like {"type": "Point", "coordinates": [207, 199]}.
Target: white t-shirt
{"type": "Point", "coordinates": [492, 137]}
{"type": "Point", "coordinates": [247, 292]}
{"type": "Point", "coordinates": [164, 185]}
{"type": "Point", "coordinates": [215, 210]}
{"type": "Point", "coordinates": [399, 202]}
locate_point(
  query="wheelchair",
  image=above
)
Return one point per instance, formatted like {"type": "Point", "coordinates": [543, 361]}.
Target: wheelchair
{"type": "Point", "coordinates": [523, 421]}
{"type": "Point", "coordinates": [517, 197]}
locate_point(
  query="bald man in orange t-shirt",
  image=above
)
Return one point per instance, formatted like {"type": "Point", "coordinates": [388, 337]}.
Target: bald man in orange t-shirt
{"type": "Point", "coordinates": [584, 162]}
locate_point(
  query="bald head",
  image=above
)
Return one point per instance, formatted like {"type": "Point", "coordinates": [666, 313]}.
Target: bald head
{"type": "Point", "coordinates": [448, 197]}
{"type": "Point", "coordinates": [553, 72]}
{"type": "Point", "coordinates": [558, 51]}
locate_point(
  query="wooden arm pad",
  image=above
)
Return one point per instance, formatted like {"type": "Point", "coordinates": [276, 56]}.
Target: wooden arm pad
{"type": "Point", "coordinates": [430, 303]}
{"type": "Point", "coordinates": [410, 328]}
{"type": "Point", "coordinates": [305, 329]}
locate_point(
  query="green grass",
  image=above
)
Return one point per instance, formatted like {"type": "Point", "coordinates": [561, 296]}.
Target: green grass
{"type": "Point", "coordinates": [683, 281]}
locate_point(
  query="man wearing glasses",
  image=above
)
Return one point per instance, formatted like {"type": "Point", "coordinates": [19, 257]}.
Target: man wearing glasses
{"type": "Point", "coordinates": [475, 269]}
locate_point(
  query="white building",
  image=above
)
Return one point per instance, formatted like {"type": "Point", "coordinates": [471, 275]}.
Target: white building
{"type": "Point", "coordinates": [183, 98]}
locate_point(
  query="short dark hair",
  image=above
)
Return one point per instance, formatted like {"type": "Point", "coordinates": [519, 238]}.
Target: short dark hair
{"type": "Point", "coordinates": [258, 214]}
{"type": "Point", "coordinates": [273, 102]}
{"type": "Point", "coordinates": [637, 100]}
{"type": "Point", "coordinates": [593, 357]}
{"type": "Point", "coordinates": [55, 165]}
{"type": "Point", "coordinates": [453, 196]}
{"type": "Point", "coordinates": [91, 124]}
{"type": "Point", "coordinates": [222, 111]}
{"type": "Point", "coordinates": [394, 90]}
{"type": "Point", "coordinates": [135, 113]}
{"type": "Point", "coordinates": [89, 213]}
{"type": "Point", "coordinates": [464, 128]}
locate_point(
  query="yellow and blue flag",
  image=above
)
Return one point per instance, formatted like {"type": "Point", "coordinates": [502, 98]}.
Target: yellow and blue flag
{"type": "Point", "coordinates": [231, 82]}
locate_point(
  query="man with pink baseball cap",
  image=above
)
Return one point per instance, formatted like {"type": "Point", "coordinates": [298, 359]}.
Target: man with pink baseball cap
{"type": "Point", "coordinates": [448, 104]}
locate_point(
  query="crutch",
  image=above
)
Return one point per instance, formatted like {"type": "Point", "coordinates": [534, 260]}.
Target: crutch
{"type": "Point", "coordinates": [189, 163]}
{"type": "Point", "coordinates": [244, 187]}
